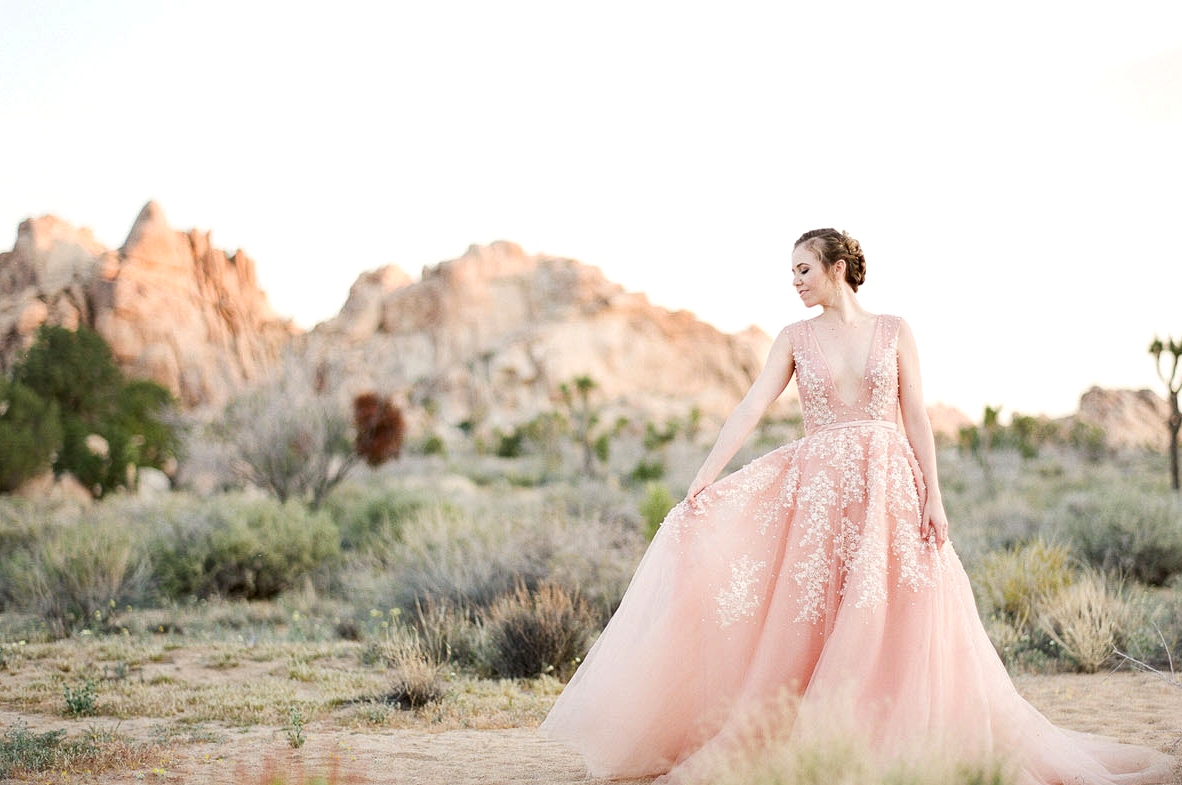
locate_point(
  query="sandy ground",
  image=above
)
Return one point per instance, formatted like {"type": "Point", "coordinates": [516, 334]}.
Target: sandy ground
{"type": "Point", "coordinates": [1133, 707]}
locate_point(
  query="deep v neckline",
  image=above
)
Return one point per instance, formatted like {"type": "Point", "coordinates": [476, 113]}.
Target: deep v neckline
{"type": "Point", "coordinates": [829, 370]}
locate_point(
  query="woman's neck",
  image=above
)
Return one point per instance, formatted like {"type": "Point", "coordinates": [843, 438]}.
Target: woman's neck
{"type": "Point", "coordinates": [844, 309]}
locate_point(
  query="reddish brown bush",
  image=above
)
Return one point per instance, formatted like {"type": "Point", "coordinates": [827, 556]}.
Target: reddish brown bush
{"type": "Point", "coordinates": [380, 428]}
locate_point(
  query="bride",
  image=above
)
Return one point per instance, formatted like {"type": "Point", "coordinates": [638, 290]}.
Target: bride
{"type": "Point", "coordinates": [817, 577]}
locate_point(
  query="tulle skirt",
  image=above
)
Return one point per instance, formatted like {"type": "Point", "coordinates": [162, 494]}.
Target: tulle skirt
{"type": "Point", "coordinates": [796, 599]}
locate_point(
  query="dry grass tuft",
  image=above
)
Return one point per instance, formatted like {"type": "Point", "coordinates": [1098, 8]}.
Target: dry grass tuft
{"type": "Point", "coordinates": [418, 672]}
{"type": "Point", "coordinates": [448, 632]}
{"type": "Point", "coordinates": [1087, 620]}
{"type": "Point", "coordinates": [534, 632]}
{"type": "Point", "coordinates": [1012, 583]}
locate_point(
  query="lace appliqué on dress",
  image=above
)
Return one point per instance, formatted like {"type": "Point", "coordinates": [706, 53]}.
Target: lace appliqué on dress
{"type": "Point", "coordinates": [817, 498]}
{"type": "Point", "coordinates": [749, 486]}
{"type": "Point", "coordinates": [861, 504]}
{"type": "Point", "coordinates": [814, 397]}
{"type": "Point", "coordinates": [853, 514]}
{"type": "Point", "coordinates": [738, 599]}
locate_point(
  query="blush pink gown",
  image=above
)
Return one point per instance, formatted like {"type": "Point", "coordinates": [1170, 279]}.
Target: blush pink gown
{"type": "Point", "coordinates": [803, 575]}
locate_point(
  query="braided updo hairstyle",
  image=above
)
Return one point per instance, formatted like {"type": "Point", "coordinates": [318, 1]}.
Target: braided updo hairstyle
{"type": "Point", "coordinates": [832, 246]}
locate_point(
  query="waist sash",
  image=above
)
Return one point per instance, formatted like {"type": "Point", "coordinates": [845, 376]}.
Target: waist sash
{"type": "Point", "coordinates": [884, 424]}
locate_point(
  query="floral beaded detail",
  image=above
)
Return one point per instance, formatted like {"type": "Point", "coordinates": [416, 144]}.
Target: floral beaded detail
{"type": "Point", "coordinates": [811, 379]}
{"type": "Point", "coordinates": [878, 393]}
{"type": "Point", "coordinates": [883, 370]}
{"type": "Point", "coordinates": [815, 408]}
{"type": "Point", "coordinates": [845, 500]}
{"type": "Point", "coordinates": [739, 598]}
{"type": "Point", "coordinates": [860, 509]}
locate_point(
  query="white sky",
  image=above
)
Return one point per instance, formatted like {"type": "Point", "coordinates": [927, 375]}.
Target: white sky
{"type": "Point", "coordinates": [1011, 168]}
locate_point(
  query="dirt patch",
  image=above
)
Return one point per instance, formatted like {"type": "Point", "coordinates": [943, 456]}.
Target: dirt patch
{"type": "Point", "coordinates": [1132, 707]}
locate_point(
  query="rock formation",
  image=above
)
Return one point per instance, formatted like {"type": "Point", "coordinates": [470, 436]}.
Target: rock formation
{"type": "Point", "coordinates": [173, 308]}
{"type": "Point", "coordinates": [947, 422]}
{"type": "Point", "coordinates": [1130, 419]}
{"type": "Point", "coordinates": [489, 338]}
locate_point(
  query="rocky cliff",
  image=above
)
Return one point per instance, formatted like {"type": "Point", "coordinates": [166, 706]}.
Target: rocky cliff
{"type": "Point", "coordinates": [489, 338]}
{"type": "Point", "coordinates": [173, 308]}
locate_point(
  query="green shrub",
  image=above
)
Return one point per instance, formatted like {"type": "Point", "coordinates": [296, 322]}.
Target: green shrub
{"type": "Point", "coordinates": [148, 439]}
{"type": "Point", "coordinates": [30, 434]}
{"type": "Point", "coordinates": [541, 631]}
{"type": "Point", "coordinates": [510, 445]}
{"type": "Point", "coordinates": [1090, 440]}
{"type": "Point", "coordinates": [22, 524]}
{"type": "Point", "coordinates": [240, 547]}
{"type": "Point", "coordinates": [1030, 434]}
{"type": "Point", "coordinates": [76, 368]}
{"type": "Point", "coordinates": [76, 372]}
{"type": "Point", "coordinates": [470, 557]}
{"type": "Point", "coordinates": [81, 701]}
{"type": "Point", "coordinates": [654, 507]}
{"type": "Point", "coordinates": [1155, 634]}
{"type": "Point", "coordinates": [602, 446]}
{"type": "Point", "coordinates": [655, 438]}
{"type": "Point", "coordinates": [295, 727]}
{"type": "Point", "coordinates": [1137, 534]}
{"type": "Point", "coordinates": [647, 471]}
{"type": "Point", "coordinates": [367, 518]}
{"type": "Point", "coordinates": [433, 444]}
{"type": "Point", "coordinates": [24, 751]}
{"type": "Point", "coordinates": [1012, 583]}
{"type": "Point", "coordinates": [448, 555]}
{"type": "Point", "coordinates": [80, 572]}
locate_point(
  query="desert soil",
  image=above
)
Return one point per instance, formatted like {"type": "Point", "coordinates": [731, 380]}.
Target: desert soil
{"type": "Point", "coordinates": [1130, 706]}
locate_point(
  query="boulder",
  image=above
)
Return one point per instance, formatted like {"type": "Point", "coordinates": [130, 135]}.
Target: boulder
{"type": "Point", "coordinates": [63, 488]}
{"type": "Point", "coordinates": [151, 482]}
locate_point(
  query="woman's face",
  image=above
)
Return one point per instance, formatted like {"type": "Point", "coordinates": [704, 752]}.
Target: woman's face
{"type": "Point", "coordinates": [812, 283]}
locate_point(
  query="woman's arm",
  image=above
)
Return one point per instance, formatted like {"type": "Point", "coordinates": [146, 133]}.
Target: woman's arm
{"type": "Point", "coordinates": [933, 519]}
{"type": "Point", "coordinates": [738, 426]}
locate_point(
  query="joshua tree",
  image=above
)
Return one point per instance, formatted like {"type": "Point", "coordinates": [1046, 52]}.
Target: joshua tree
{"type": "Point", "coordinates": [1173, 381]}
{"type": "Point", "coordinates": [576, 396]}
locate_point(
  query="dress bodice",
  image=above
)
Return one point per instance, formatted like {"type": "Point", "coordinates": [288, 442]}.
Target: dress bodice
{"type": "Point", "coordinates": [878, 393]}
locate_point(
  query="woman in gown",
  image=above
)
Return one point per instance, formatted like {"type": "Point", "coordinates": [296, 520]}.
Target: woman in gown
{"type": "Point", "coordinates": [816, 577]}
